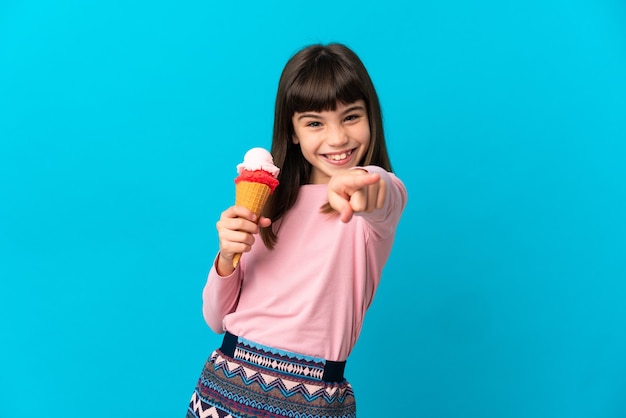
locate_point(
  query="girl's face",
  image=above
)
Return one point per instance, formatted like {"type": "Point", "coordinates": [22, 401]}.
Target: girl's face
{"type": "Point", "coordinates": [333, 140]}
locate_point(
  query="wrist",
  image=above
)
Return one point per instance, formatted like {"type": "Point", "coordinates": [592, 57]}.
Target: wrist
{"type": "Point", "coordinates": [224, 266]}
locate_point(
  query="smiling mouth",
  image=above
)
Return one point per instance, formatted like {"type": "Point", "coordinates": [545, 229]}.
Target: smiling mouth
{"type": "Point", "coordinates": [339, 156]}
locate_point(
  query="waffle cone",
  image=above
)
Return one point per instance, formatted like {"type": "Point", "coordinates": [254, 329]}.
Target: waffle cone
{"type": "Point", "coordinates": [252, 196]}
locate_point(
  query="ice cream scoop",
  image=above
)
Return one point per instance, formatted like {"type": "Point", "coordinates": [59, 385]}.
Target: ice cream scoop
{"type": "Point", "coordinates": [258, 159]}
{"type": "Point", "coordinates": [255, 182]}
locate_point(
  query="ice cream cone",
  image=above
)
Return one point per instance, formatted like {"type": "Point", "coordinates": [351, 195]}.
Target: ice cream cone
{"type": "Point", "coordinates": [255, 182]}
{"type": "Point", "coordinates": [252, 196]}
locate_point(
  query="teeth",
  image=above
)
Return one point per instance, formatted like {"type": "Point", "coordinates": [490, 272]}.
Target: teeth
{"type": "Point", "coordinates": [338, 157]}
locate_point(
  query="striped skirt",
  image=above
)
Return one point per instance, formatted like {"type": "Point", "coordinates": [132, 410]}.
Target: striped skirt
{"type": "Point", "coordinates": [243, 379]}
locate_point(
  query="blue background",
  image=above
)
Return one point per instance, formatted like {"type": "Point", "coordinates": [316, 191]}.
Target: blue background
{"type": "Point", "coordinates": [120, 126]}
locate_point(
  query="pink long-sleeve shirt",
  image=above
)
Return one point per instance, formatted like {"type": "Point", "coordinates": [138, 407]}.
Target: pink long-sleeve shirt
{"type": "Point", "coordinates": [310, 293]}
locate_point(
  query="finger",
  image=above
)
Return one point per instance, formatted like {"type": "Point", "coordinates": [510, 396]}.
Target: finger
{"type": "Point", "coordinates": [264, 222]}
{"type": "Point", "coordinates": [230, 237]}
{"type": "Point", "coordinates": [381, 195]}
{"type": "Point", "coordinates": [233, 242]}
{"type": "Point", "coordinates": [243, 212]}
{"type": "Point", "coordinates": [372, 197]}
{"type": "Point", "coordinates": [237, 224]}
{"type": "Point", "coordinates": [346, 214]}
{"type": "Point", "coordinates": [346, 185]}
{"type": "Point", "coordinates": [355, 183]}
{"type": "Point", "coordinates": [340, 203]}
{"type": "Point", "coordinates": [359, 200]}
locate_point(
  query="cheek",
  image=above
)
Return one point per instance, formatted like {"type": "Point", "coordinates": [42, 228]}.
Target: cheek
{"type": "Point", "coordinates": [365, 134]}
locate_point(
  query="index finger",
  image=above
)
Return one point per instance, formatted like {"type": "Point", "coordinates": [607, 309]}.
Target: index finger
{"type": "Point", "coordinates": [243, 212]}
{"type": "Point", "coordinates": [355, 183]}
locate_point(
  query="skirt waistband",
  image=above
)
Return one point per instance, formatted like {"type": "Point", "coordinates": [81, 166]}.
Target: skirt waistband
{"type": "Point", "coordinates": [300, 366]}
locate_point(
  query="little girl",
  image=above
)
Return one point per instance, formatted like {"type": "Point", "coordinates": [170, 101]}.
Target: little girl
{"type": "Point", "coordinates": [293, 308]}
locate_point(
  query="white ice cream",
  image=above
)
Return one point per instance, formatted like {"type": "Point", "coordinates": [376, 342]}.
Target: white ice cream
{"type": "Point", "coordinates": [258, 159]}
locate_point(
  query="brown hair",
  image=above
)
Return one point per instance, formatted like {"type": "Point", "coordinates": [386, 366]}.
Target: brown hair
{"type": "Point", "coordinates": [315, 79]}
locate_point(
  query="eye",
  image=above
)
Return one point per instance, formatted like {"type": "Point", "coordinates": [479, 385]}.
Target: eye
{"type": "Point", "coordinates": [314, 124]}
{"type": "Point", "coordinates": [350, 118]}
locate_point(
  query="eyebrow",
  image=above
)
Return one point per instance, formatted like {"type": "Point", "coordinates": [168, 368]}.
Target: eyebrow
{"type": "Point", "coordinates": [348, 110]}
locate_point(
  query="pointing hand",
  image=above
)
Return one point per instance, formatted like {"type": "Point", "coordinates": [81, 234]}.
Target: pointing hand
{"type": "Point", "coordinates": [355, 191]}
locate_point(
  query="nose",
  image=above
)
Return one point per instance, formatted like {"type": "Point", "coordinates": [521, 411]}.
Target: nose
{"type": "Point", "coordinates": [337, 136]}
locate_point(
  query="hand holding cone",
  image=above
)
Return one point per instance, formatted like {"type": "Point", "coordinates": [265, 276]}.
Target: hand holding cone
{"type": "Point", "coordinates": [255, 182]}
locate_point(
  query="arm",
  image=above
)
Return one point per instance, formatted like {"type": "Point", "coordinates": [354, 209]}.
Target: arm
{"type": "Point", "coordinates": [236, 229]}
{"type": "Point", "coordinates": [220, 296]}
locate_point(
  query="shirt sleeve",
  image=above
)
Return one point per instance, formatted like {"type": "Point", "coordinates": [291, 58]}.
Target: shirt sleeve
{"type": "Point", "coordinates": [384, 221]}
{"type": "Point", "coordinates": [220, 296]}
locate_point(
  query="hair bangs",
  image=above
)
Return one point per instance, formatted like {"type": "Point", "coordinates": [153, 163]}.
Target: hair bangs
{"type": "Point", "coordinates": [325, 84]}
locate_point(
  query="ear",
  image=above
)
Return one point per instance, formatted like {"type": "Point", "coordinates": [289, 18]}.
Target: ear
{"type": "Point", "coordinates": [295, 139]}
